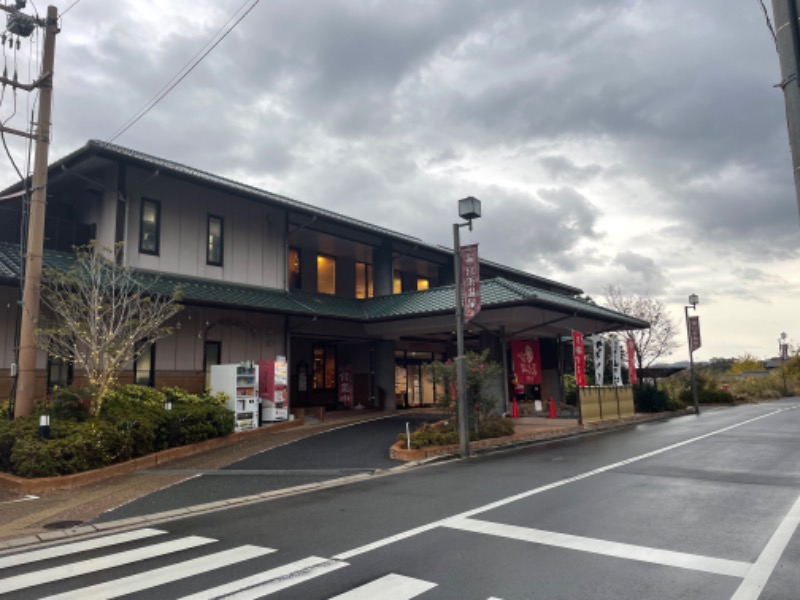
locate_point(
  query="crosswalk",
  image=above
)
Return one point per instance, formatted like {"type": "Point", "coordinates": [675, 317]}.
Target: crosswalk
{"type": "Point", "coordinates": [68, 566]}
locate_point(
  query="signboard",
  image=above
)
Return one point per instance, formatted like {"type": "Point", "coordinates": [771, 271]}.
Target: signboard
{"type": "Point", "coordinates": [579, 356]}
{"type": "Point", "coordinates": [527, 361]}
{"type": "Point", "coordinates": [631, 351]}
{"type": "Point", "coordinates": [616, 361]}
{"type": "Point", "coordinates": [694, 334]}
{"type": "Point", "coordinates": [470, 282]}
{"type": "Point", "coordinates": [346, 385]}
{"type": "Point", "coordinates": [599, 345]}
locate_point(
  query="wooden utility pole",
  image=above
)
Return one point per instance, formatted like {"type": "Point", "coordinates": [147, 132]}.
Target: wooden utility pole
{"type": "Point", "coordinates": [26, 376]}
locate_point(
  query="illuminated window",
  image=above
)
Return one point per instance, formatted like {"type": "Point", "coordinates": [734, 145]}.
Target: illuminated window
{"type": "Point", "coordinates": [295, 282]}
{"type": "Point", "coordinates": [423, 283]}
{"type": "Point", "coordinates": [150, 227]}
{"type": "Point", "coordinates": [326, 274]}
{"type": "Point", "coordinates": [397, 287]}
{"type": "Point", "coordinates": [214, 250]}
{"type": "Point", "coordinates": [364, 280]}
{"type": "Point", "coordinates": [324, 377]}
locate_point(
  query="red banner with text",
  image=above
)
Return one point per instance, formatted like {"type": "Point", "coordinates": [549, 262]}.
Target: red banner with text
{"type": "Point", "coordinates": [470, 282]}
{"type": "Point", "coordinates": [579, 356]}
{"type": "Point", "coordinates": [527, 361]}
{"type": "Point", "coordinates": [631, 348]}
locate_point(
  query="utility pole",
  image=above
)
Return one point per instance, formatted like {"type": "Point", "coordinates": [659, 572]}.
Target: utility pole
{"type": "Point", "coordinates": [787, 33]}
{"type": "Point", "coordinates": [23, 25]}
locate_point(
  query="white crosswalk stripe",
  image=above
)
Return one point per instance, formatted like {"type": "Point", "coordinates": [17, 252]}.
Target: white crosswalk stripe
{"type": "Point", "coordinates": [76, 547]}
{"type": "Point", "coordinates": [391, 587]}
{"type": "Point", "coordinates": [271, 581]}
{"type": "Point", "coordinates": [93, 565]}
{"type": "Point", "coordinates": [163, 575]}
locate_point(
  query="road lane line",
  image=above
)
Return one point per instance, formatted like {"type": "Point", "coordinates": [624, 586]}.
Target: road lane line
{"type": "Point", "coordinates": [391, 587]}
{"type": "Point", "coordinates": [74, 548]}
{"type": "Point", "coordinates": [550, 486]}
{"type": "Point", "coordinates": [160, 576]}
{"type": "Point", "coordinates": [93, 565]}
{"type": "Point", "coordinates": [269, 582]}
{"type": "Point", "coordinates": [762, 569]}
{"type": "Point", "coordinates": [695, 562]}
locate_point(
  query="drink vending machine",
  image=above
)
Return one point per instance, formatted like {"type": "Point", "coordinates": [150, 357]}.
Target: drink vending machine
{"type": "Point", "coordinates": [240, 384]}
{"type": "Point", "coordinates": [273, 390]}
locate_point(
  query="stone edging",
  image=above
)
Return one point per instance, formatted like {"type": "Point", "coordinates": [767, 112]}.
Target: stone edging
{"type": "Point", "coordinates": [38, 485]}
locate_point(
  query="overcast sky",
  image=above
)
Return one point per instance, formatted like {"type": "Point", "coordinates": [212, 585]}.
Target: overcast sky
{"type": "Point", "coordinates": [623, 142]}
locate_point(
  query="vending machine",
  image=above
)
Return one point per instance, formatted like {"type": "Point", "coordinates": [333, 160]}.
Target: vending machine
{"type": "Point", "coordinates": [240, 384]}
{"type": "Point", "coordinates": [273, 392]}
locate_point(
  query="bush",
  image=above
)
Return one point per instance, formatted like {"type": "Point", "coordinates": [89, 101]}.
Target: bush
{"type": "Point", "coordinates": [73, 403]}
{"type": "Point", "coordinates": [445, 433]}
{"type": "Point", "coordinates": [649, 399]}
{"type": "Point", "coordinates": [132, 422]}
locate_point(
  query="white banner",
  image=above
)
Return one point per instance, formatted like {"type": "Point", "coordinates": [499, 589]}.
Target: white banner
{"type": "Point", "coordinates": [616, 360]}
{"type": "Point", "coordinates": [599, 345]}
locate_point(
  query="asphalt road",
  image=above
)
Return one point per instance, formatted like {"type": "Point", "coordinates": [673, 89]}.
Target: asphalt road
{"type": "Point", "coordinates": [696, 507]}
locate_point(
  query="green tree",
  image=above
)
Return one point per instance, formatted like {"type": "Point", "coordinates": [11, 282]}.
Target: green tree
{"type": "Point", "coordinates": [97, 313]}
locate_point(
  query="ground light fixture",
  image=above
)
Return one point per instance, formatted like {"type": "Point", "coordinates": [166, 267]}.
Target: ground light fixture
{"type": "Point", "coordinates": [468, 209]}
{"type": "Point", "coordinates": [694, 300]}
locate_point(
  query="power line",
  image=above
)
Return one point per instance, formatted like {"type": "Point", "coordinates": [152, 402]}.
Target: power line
{"type": "Point", "coordinates": [186, 69]}
{"type": "Point", "coordinates": [69, 8]}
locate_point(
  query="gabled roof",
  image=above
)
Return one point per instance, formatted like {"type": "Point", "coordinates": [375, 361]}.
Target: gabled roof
{"type": "Point", "coordinates": [495, 293]}
{"type": "Point", "coordinates": [120, 153]}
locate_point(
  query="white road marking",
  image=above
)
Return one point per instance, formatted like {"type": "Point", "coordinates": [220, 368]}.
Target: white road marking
{"type": "Point", "coordinates": [760, 572]}
{"type": "Point", "coordinates": [271, 581]}
{"type": "Point", "coordinates": [391, 587]}
{"type": "Point", "coordinates": [98, 564]}
{"type": "Point", "coordinates": [75, 547]}
{"type": "Point", "coordinates": [168, 574]}
{"type": "Point", "coordinates": [695, 562]}
{"type": "Point", "coordinates": [527, 494]}
{"type": "Point", "coordinates": [27, 498]}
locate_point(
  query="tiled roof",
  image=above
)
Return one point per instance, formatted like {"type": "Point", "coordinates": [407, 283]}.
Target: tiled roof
{"type": "Point", "coordinates": [441, 300]}
{"type": "Point", "coordinates": [120, 152]}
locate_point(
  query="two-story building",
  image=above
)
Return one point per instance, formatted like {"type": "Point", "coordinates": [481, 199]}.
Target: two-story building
{"type": "Point", "coordinates": [263, 275]}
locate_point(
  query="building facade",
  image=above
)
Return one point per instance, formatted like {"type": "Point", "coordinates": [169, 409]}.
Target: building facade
{"type": "Point", "coordinates": [263, 275]}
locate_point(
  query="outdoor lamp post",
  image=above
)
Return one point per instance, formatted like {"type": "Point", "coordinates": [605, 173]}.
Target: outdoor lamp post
{"type": "Point", "coordinates": [782, 352]}
{"type": "Point", "coordinates": [468, 209]}
{"type": "Point", "coordinates": [693, 301]}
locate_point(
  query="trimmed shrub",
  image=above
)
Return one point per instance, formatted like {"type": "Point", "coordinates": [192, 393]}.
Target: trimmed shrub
{"type": "Point", "coordinates": [445, 433]}
{"type": "Point", "coordinates": [649, 399]}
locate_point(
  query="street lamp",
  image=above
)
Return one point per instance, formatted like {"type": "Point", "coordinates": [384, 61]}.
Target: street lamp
{"type": "Point", "coordinates": [469, 209]}
{"type": "Point", "coordinates": [782, 352]}
{"type": "Point", "coordinates": [693, 301]}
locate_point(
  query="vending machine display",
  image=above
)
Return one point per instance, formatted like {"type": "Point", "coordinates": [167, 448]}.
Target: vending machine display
{"type": "Point", "coordinates": [240, 384]}
{"type": "Point", "coordinates": [273, 378]}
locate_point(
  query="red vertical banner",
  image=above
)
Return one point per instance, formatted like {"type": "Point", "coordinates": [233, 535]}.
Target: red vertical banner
{"type": "Point", "coordinates": [631, 348]}
{"type": "Point", "coordinates": [346, 385]}
{"type": "Point", "coordinates": [470, 282]}
{"type": "Point", "coordinates": [579, 356]}
{"type": "Point", "coordinates": [527, 361]}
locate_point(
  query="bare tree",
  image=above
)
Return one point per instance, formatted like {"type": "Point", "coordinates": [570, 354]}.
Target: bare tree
{"type": "Point", "coordinates": [653, 343]}
{"type": "Point", "coordinates": [101, 315]}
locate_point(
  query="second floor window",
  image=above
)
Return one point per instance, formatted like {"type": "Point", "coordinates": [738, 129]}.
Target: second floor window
{"type": "Point", "coordinates": [295, 283]}
{"type": "Point", "coordinates": [423, 283]}
{"type": "Point", "coordinates": [215, 240]}
{"type": "Point", "coordinates": [364, 287]}
{"type": "Point", "coordinates": [150, 227]}
{"type": "Point", "coordinates": [397, 284]}
{"type": "Point", "coordinates": [326, 274]}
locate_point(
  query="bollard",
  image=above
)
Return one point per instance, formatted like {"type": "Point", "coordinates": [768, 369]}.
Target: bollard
{"type": "Point", "coordinates": [553, 414]}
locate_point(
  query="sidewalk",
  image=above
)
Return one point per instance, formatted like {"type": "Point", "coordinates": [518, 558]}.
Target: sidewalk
{"type": "Point", "coordinates": [54, 514]}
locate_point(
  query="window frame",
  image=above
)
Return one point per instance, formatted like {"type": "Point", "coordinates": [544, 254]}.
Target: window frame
{"type": "Point", "coordinates": [209, 260]}
{"type": "Point", "coordinates": [151, 375]}
{"type": "Point", "coordinates": [52, 362]}
{"type": "Point", "coordinates": [397, 277]}
{"type": "Point", "coordinates": [369, 284]}
{"type": "Point", "coordinates": [157, 250]}
{"type": "Point", "coordinates": [290, 273]}
{"type": "Point", "coordinates": [328, 352]}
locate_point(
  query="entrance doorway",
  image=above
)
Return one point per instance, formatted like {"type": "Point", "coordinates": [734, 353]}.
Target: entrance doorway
{"type": "Point", "coordinates": [413, 385]}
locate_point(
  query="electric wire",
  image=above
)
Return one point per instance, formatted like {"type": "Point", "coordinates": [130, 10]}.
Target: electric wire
{"type": "Point", "coordinates": [769, 24]}
{"type": "Point", "coordinates": [69, 8]}
{"type": "Point", "coordinates": [186, 69]}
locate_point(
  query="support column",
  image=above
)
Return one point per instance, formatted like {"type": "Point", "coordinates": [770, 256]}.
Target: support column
{"type": "Point", "coordinates": [383, 362]}
{"type": "Point", "coordinates": [383, 270]}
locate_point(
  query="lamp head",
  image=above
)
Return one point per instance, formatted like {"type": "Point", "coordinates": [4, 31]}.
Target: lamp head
{"type": "Point", "coordinates": [694, 300]}
{"type": "Point", "coordinates": [783, 335]}
{"type": "Point", "coordinates": [469, 208]}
